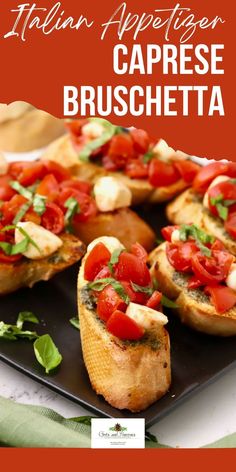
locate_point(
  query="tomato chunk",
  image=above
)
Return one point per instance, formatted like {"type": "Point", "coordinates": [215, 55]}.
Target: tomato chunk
{"type": "Point", "coordinates": [155, 300]}
{"type": "Point", "coordinates": [136, 169]}
{"type": "Point", "coordinates": [141, 140]}
{"type": "Point", "coordinates": [10, 209]}
{"type": "Point", "coordinates": [108, 302]}
{"type": "Point", "coordinates": [84, 187]}
{"type": "Point", "coordinates": [121, 145]}
{"type": "Point", "coordinates": [135, 297]}
{"type": "Point", "coordinates": [162, 174]}
{"type": "Point", "coordinates": [139, 251]}
{"type": "Point", "coordinates": [59, 172]}
{"type": "Point", "coordinates": [207, 174]}
{"type": "Point", "coordinates": [121, 326]}
{"type": "Point", "coordinates": [211, 270]}
{"type": "Point", "coordinates": [131, 268]}
{"type": "Point", "coordinates": [223, 298]}
{"type": "Point", "coordinates": [96, 260]}
{"type": "Point", "coordinates": [27, 172]}
{"type": "Point", "coordinates": [167, 232]}
{"type": "Point", "coordinates": [6, 192]}
{"type": "Point", "coordinates": [53, 218]}
{"type": "Point", "coordinates": [226, 190]}
{"type": "Point", "coordinates": [49, 187]}
{"type": "Point", "coordinates": [87, 205]}
{"type": "Point", "coordinates": [187, 169]}
{"type": "Point", "coordinates": [180, 255]}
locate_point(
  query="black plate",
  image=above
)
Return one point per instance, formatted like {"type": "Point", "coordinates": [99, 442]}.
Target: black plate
{"type": "Point", "coordinates": [196, 359]}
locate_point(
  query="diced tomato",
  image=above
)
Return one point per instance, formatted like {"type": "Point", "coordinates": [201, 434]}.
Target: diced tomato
{"type": "Point", "coordinates": [155, 300]}
{"type": "Point", "coordinates": [223, 298]}
{"type": "Point", "coordinates": [121, 149]}
{"type": "Point", "coordinates": [207, 174]}
{"type": "Point", "coordinates": [135, 297]}
{"type": "Point", "coordinates": [194, 282]}
{"type": "Point", "coordinates": [211, 270]}
{"type": "Point", "coordinates": [231, 172]}
{"type": "Point", "coordinates": [167, 232]}
{"type": "Point", "coordinates": [187, 169]}
{"type": "Point", "coordinates": [139, 251]}
{"type": "Point", "coordinates": [230, 225]}
{"type": "Point", "coordinates": [87, 205]}
{"type": "Point", "coordinates": [74, 126]}
{"type": "Point", "coordinates": [136, 169]}
{"type": "Point", "coordinates": [141, 140]}
{"type": "Point", "coordinates": [10, 209]}
{"type": "Point", "coordinates": [96, 260]}
{"type": "Point", "coordinates": [84, 187]}
{"type": "Point", "coordinates": [180, 255]}
{"type": "Point", "coordinates": [123, 327]}
{"type": "Point", "coordinates": [6, 192]}
{"type": "Point", "coordinates": [53, 218]}
{"type": "Point", "coordinates": [218, 245]}
{"type": "Point", "coordinates": [162, 174]}
{"type": "Point", "coordinates": [225, 189]}
{"type": "Point", "coordinates": [108, 302]}
{"type": "Point", "coordinates": [49, 187]}
{"type": "Point", "coordinates": [27, 172]}
{"type": "Point", "coordinates": [131, 268]}
{"type": "Point", "coordinates": [59, 172]}
{"type": "Point", "coordinates": [104, 273]}
{"type": "Point", "coordinates": [4, 258]}
{"type": "Point", "coordinates": [109, 164]}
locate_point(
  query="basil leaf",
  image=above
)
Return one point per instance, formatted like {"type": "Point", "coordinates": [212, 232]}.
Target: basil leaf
{"type": "Point", "coordinates": [22, 211]}
{"type": "Point", "coordinates": [14, 332]}
{"type": "Point", "coordinates": [222, 211]}
{"type": "Point", "coordinates": [100, 284]}
{"type": "Point", "coordinates": [73, 208]}
{"type": "Point", "coordinates": [30, 240]}
{"type": "Point", "coordinates": [75, 323]}
{"type": "Point", "coordinates": [201, 237]}
{"type": "Point", "coordinates": [121, 291]}
{"type": "Point", "coordinates": [214, 200]}
{"type": "Point", "coordinates": [138, 288]}
{"type": "Point", "coordinates": [21, 190]}
{"type": "Point", "coordinates": [109, 131]}
{"type": "Point", "coordinates": [114, 258]}
{"type": "Point", "coordinates": [148, 157]}
{"type": "Point", "coordinates": [47, 353]}
{"type": "Point", "coordinates": [166, 302]}
{"type": "Point", "coordinates": [26, 316]}
{"type": "Point", "coordinates": [39, 204]}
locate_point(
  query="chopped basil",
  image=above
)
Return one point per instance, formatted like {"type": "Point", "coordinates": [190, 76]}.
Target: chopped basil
{"type": "Point", "coordinates": [26, 316]}
{"type": "Point", "coordinates": [21, 190]}
{"type": "Point", "coordinates": [218, 199]}
{"type": "Point", "coordinates": [148, 157]}
{"type": "Point", "coordinates": [75, 322]}
{"type": "Point", "coordinates": [39, 204]}
{"type": "Point", "coordinates": [100, 284]}
{"type": "Point", "coordinates": [167, 303]}
{"type": "Point", "coordinates": [138, 288]}
{"type": "Point", "coordinates": [201, 237]}
{"type": "Point", "coordinates": [109, 131]}
{"type": "Point", "coordinates": [73, 208]}
{"type": "Point", "coordinates": [22, 211]}
{"type": "Point", "coordinates": [47, 353]}
{"type": "Point", "coordinates": [14, 332]}
{"type": "Point", "coordinates": [114, 258]}
{"type": "Point", "coordinates": [19, 248]}
{"type": "Point", "coordinates": [222, 211]}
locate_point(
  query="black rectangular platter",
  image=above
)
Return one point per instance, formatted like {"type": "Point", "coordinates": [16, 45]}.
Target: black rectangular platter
{"type": "Point", "coordinates": [197, 359]}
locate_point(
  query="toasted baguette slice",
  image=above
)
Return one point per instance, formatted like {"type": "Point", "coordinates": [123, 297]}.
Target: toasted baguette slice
{"type": "Point", "coordinates": [124, 224]}
{"type": "Point", "coordinates": [194, 307]}
{"type": "Point", "coordinates": [63, 152]}
{"type": "Point", "coordinates": [129, 375]}
{"type": "Point", "coordinates": [26, 272]}
{"type": "Point", "coordinates": [187, 208]}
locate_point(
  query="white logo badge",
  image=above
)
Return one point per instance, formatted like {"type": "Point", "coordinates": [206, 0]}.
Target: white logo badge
{"type": "Point", "coordinates": [118, 433]}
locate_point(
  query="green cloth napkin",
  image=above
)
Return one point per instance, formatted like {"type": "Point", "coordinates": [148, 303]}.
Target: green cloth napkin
{"type": "Point", "coordinates": [36, 426]}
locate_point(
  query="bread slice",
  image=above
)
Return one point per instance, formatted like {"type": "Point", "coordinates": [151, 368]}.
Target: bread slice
{"type": "Point", "coordinates": [63, 152]}
{"type": "Point", "coordinates": [124, 224]}
{"type": "Point", "coordinates": [187, 208]}
{"type": "Point", "coordinates": [129, 375]}
{"type": "Point", "coordinates": [194, 307]}
{"type": "Point", "coordinates": [27, 272]}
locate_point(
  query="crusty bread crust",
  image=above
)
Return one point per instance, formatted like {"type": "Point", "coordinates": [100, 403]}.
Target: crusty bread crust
{"type": "Point", "coordinates": [128, 376]}
{"type": "Point", "coordinates": [26, 272]}
{"type": "Point", "coordinates": [197, 314]}
{"type": "Point", "coordinates": [214, 226]}
{"type": "Point", "coordinates": [63, 152]}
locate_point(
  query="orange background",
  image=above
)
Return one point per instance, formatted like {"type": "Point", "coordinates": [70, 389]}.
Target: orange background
{"type": "Point", "coordinates": [36, 70]}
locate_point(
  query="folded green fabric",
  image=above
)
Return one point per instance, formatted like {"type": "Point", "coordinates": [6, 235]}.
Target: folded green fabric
{"type": "Point", "coordinates": [36, 426]}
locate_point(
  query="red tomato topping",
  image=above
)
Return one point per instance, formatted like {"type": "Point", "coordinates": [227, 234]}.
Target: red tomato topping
{"type": "Point", "coordinates": [53, 218]}
{"type": "Point", "coordinates": [207, 174]}
{"type": "Point", "coordinates": [74, 126]}
{"type": "Point", "coordinates": [59, 172]}
{"type": "Point", "coordinates": [103, 274]}
{"type": "Point", "coordinates": [223, 298]}
{"type": "Point", "coordinates": [141, 140]}
{"type": "Point", "coordinates": [120, 325]}
{"type": "Point", "coordinates": [167, 232]}
{"type": "Point", "coordinates": [87, 205]}
{"type": "Point", "coordinates": [27, 172]}
{"type": "Point", "coordinates": [84, 187]}
{"type": "Point", "coordinates": [187, 169]}
{"type": "Point", "coordinates": [136, 169]}
{"type": "Point", "coordinates": [131, 268]}
{"type": "Point", "coordinates": [4, 258]}
{"type": "Point", "coordinates": [155, 300]}
{"type": "Point", "coordinates": [194, 282]}
{"type": "Point", "coordinates": [225, 189]}
{"type": "Point", "coordinates": [135, 297]}
{"type": "Point", "coordinates": [108, 302]}
{"type": "Point", "coordinates": [6, 192]}
{"type": "Point", "coordinates": [162, 174]}
{"type": "Point", "coordinates": [139, 251]}
{"type": "Point", "coordinates": [95, 261]}
{"type": "Point", "coordinates": [230, 225]}
{"type": "Point", "coordinates": [211, 270]}
{"type": "Point", "coordinates": [10, 209]}
{"type": "Point", "coordinates": [49, 187]}
{"type": "Point", "coordinates": [180, 255]}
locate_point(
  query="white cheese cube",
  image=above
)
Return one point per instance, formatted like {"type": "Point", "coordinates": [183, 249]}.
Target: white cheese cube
{"type": "Point", "coordinates": [110, 242]}
{"type": "Point", "coordinates": [46, 241]}
{"type": "Point", "coordinates": [92, 130]}
{"type": "Point", "coordinates": [217, 180]}
{"type": "Point", "coordinates": [175, 237]}
{"type": "Point", "coordinates": [3, 164]}
{"type": "Point", "coordinates": [111, 194]}
{"type": "Point", "coordinates": [146, 317]}
{"type": "Point", "coordinates": [162, 150]}
{"type": "Point", "coordinates": [231, 279]}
